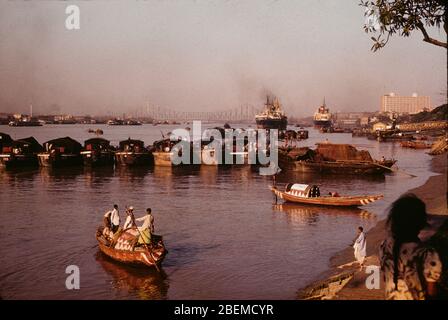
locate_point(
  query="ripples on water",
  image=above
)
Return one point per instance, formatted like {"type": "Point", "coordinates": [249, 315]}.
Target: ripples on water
{"type": "Point", "coordinates": [226, 237]}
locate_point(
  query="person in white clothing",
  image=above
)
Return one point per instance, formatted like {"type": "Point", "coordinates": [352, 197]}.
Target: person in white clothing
{"type": "Point", "coordinates": [130, 220]}
{"type": "Point", "coordinates": [113, 218]}
{"type": "Point", "coordinates": [360, 247]}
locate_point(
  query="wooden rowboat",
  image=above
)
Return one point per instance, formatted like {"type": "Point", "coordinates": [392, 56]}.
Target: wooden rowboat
{"type": "Point", "coordinates": [299, 193]}
{"type": "Point", "coordinates": [121, 250]}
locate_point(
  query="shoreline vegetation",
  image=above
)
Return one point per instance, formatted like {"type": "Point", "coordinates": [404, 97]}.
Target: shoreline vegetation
{"type": "Point", "coordinates": [344, 281]}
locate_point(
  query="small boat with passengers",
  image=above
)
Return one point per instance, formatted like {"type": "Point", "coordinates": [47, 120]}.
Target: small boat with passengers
{"type": "Point", "coordinates": [303, 193]}
{"type": "Point", "coordinates": [124, 248]}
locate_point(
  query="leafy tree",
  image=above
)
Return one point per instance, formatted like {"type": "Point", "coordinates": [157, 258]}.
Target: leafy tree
{"type": "Point", "coordinates": [385, 18]}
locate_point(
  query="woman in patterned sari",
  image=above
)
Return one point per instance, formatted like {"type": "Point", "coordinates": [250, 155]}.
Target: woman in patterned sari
{"type": "Point", "coordinates": [410, 268]}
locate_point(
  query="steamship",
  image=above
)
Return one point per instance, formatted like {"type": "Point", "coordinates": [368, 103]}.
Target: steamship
{"type": "Point", "coordinates": [323, 117]}
{"type": "Point", "coordinates": [272, 116]}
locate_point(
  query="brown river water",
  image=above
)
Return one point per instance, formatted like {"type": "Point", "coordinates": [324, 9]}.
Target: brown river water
{"type": "Point", "coordinates": [226, 238]}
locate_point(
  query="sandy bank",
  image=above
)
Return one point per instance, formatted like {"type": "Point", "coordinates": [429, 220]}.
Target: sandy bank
{"type": "Point", "coordinates": [348, 282]}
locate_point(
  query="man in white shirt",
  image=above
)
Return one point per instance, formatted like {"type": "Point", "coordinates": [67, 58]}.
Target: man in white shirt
{"type": "Point", "coordinates": [114, 218]}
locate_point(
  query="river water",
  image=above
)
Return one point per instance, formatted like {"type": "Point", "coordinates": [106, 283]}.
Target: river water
{"type": "Point", "coordinates": [226, 238]}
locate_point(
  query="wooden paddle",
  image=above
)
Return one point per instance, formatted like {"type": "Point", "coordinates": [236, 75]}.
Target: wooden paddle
{"type": "Point", "coordinates": [397, 170]}
{"type": "Point", "coordinates": [144, 243]}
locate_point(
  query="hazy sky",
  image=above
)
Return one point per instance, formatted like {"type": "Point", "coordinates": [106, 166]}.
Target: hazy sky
{"type": "Point", "coordinates": [205, 55]}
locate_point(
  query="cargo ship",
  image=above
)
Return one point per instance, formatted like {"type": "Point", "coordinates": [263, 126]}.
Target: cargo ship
{"type": "Point", "coordinates": [322, 117]}
{"type": "Point", "coordinates": [272, 116]}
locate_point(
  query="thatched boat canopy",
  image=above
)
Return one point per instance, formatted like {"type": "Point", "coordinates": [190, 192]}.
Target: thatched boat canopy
{"type": "Point", "coordinates": [337, 152]}
{"type": "Point", "coordinates": [5, 139]}
{"type": "Point", "coordinates": [97, 141]}
{"type": "Point", "coordinates": [131, 143]}
{"type": "Point", "coordinates": [68, 144]}
{"type": "Point", "coordinates": [30, 144]}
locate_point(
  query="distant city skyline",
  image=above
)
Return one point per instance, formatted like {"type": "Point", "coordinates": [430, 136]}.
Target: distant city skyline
{"type": "Point", "coordinates": [205, 56]}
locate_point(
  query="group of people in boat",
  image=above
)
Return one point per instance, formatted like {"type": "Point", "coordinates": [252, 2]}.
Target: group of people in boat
{"type": "Point", "coordinates": [143, 234]}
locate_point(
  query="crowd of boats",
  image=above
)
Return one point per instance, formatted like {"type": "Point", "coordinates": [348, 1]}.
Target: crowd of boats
{"type": "Point", "coordinates": [326, 157]}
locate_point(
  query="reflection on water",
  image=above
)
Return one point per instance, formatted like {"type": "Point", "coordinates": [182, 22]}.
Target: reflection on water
{"type": "Point", "coordinates": [308, 214]}
{"type": "Point", "coordinates": [142, 283]}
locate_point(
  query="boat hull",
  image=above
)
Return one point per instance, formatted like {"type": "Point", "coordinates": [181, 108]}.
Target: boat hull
{"type": "Point", "coordinates": [335, 167]}
{"type": "Point", "coordinates": [322, 123]}
{"type": "Point", "coordinates": [162, 159]}
{"type": "Point", "coordinates": [61, 160]}
{"type": "Point", "coordinates": [279, 124]}
{"type": "Point", "coordinates": [343, 201]}
{"type": "Point", "coordinates": [151, 256]}
{"type": "Point", "coordinates": [123, 158]}
{"type": "Point", "coordinates": [15, 161]}
{"type": "Point", "coordinates": [97, 159]}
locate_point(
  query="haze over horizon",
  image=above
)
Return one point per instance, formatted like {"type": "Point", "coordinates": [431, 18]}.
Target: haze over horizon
{"type": "Point", "coordinates": [206, 56]}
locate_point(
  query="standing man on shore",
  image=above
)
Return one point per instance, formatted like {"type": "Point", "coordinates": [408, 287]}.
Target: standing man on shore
{"type": "Point", "coordinates": [360, 247]}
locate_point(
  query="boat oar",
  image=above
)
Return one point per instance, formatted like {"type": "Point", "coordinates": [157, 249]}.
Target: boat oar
{"type": "Point", "coordinates": [144, 243]}
{"type": "Point", "coordinates": [146, 246]}
{"type": "Point", "coordinates": [397, 170]}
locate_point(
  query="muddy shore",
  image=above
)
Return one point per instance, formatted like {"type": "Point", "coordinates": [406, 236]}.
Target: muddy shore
{"type": "Point", "coordinates": [345, 282]}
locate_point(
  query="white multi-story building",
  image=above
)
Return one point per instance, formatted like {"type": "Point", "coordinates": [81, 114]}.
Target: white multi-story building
{"type": "Point", "coordinates": [405, 104]}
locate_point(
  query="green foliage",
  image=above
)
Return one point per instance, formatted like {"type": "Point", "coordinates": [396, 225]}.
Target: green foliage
{"type": "Point", "coordinates": [438, 114]}
{"type": "Point", "coordinates": [384, 18]}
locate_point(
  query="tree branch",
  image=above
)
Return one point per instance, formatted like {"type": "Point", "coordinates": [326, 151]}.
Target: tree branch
{"type": "Point", "coordinates": [428, 39]}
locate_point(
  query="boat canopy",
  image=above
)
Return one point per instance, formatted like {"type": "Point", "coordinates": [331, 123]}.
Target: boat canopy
{"type": "Point", "coordinates": [29, 144]}
{"type": "Point", "coordinates": [5, 139]}
{"type": "Point", "coordinates": [97, 141]}
{"type": "Point", "coordinates": [66, 144]}
{"type": "Point", "coordinates": [131, 143]}
{"type": "Point", "coordinates": [301, 190]}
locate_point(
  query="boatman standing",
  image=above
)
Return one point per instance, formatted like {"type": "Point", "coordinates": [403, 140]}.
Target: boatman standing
{"type": "Point", "coordinates": [114, 218]}
{"type": "Point", "coordinates": [147, 228]}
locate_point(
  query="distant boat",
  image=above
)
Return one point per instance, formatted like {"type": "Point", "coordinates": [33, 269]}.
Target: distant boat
{"type": "Point", "coordinates": [133, 123]}
{"type": "Point", "coordinates": [119, 122]}
{"type": "Point", "coordinates": [25, 123]}
{"type": "Point", "coordinates": [272, 116]}
{"type": "Point", "coordinates": [322, 117]}
{"type": "Point", "coordinates": [306, 194]}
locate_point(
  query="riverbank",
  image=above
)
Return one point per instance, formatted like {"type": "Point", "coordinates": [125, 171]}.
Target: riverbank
{"type": "Point", "coordinates": [344, 281]}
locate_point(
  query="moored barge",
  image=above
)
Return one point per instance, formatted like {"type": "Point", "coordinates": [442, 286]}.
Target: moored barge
{"type": "Point", "coordinates": [20, 153]}
{"type": "Point", "coordinates": [132, 152]}
{"type": "Point", "coordinates": [98, 152]}
{"type": "Point", "coordinates": [61, 152]}
{"type": "Point", "coordinates": [333, 159]}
